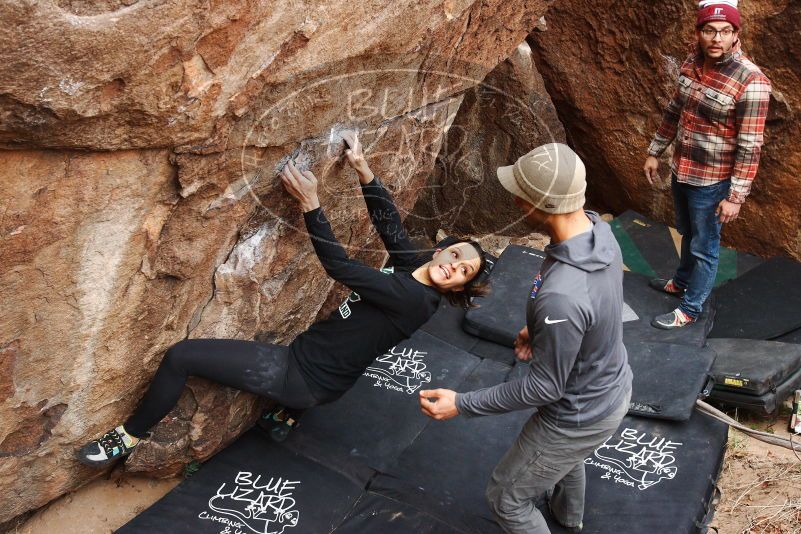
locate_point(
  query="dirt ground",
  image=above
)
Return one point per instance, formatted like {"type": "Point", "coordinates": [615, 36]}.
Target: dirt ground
{"type": "Point", "coordinates": [760, 483]}
{"type": "Point", "coordinates": [100, 507]}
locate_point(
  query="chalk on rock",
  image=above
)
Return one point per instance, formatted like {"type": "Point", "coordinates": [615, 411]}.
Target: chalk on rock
{"type": "Point", "coordinates": [336, 145]}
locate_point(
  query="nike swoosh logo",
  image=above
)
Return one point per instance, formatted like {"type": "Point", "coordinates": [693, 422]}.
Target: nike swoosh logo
{"type": "Point", "coordinates": [548, 321]}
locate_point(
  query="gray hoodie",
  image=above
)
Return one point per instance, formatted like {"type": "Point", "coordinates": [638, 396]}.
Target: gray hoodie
{"type": "Point", "coordinates": [579, 373]}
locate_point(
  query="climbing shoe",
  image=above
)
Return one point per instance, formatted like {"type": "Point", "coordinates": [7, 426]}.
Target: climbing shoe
{"type": "Point", "coordinates": [114, 444]}
{"type": "Point", "coordinates": [279, 421]}
{"type": "Point", "coordinates": [666, 286]}
{"type": "Point", "coordinates": [672, 320]}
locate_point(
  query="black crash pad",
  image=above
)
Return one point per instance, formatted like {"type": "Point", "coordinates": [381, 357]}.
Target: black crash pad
{"type": "Point", "coordinates": [790, 337]}
{"type": "Point", "coordinates": [254, 485]}
{"type": "Point", "coordinates": [652, 249]}
{"type": "Point", "coordinates": [764, 303]}
{"type": "Point", "coordinates": [399, 508]}
{"type": "Point", "coordinates": [754, 375]}
{"type": "Point", "coordinates": [452, 460]}
{"type": "Point", "coordinates": [767, 403]}
{"type": "Point", "coordinates": [502, 313]}
{"type": "Point", "coordinates": [654, 476]}
{"type": "Point", "coordinates": [668, 378]}
{"type": "Point", "coordinates": [380, 416]}
{"type": "Point", "coordinates": [446, 324]}
{"type": "Point", "coordinates": [494, 351]}
{"type": "Point", "coordinates": [753, 367]}
{"type": "Point", "coordinates": [646, 303]}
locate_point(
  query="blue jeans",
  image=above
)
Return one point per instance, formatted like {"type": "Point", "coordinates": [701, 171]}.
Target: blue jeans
{"type": "Point", "coordinates": [699, 227]}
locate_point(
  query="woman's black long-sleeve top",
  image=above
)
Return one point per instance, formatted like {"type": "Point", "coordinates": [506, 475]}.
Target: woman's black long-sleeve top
{"type": "Point", "coordinates": [385, 307]}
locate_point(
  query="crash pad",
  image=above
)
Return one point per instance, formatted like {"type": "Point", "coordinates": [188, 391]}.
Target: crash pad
{"type": "Point", "coordinates": [654, 476]}
{"type": "Point", "coordinates": [668, 378]}
{"type": "Point", "coordinates": [502, 313]}
{"type": "Point", "coordinates": [764, 303]}
{"type": "Point", "coordinates": [253, 486]}
{"type": "Point", "coordinates": [452, 460]}
{"type": "Point", "coordinates": [652, 248]}
{"type": "Point", "coordinates": [646, 303]}
{"type": "Point", "coordinates": [379, 417]}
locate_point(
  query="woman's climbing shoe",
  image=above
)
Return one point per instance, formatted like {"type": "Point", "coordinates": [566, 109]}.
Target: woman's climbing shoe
{"type": "Point", "coordinates": [114, 444]}
{"type": "Point", "coordinates": [279, 421]}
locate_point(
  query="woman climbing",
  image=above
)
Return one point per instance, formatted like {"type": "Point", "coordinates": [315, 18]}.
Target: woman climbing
{"type": "Point", "coordinates": [385, 307]}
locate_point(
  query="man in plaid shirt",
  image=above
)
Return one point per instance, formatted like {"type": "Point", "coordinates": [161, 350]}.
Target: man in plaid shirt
{"type": "Point", "coordinates": [717, 119]}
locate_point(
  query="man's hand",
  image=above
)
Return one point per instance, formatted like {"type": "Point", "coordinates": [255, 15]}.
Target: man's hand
{"type": "Point", "coordinates": [650, 168]}
{"type": "Point", "coordinates": [301, 185]}
{"type": "Point", "coordinates": [439, 404]}
{"type": "Point", "coordinates": [727, 211]}
{"type": "Point", "coordinates": [523, 345]}
{"type": "Point", "coordinates": [355, 157]}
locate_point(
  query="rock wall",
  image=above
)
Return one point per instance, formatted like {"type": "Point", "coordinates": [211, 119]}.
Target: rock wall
{"type": "Point", "coordinates": [506, 116]}
{"type": "Point", "coordinates": [611, 67]}
{"type": "Point", "coordinates": [139, 203]}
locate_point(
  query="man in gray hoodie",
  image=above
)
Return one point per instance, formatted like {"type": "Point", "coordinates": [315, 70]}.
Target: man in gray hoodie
{"type": "Point", "coordinates": [579, 379]}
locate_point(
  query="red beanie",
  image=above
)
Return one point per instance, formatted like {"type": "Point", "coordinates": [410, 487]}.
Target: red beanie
{"type": "Point", "coordinates": [719, 13]}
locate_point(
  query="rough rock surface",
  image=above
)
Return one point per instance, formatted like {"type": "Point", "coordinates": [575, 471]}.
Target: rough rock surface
{"type": "Point", "coordinates": [139, 205]}
{"type": "Point", "coordinates": [270, 285]}
{"type": "Point", "coordinates": [611, 69]}
{"type": "Point", "coordinates": [114, 75]}
{"type": "Point", "coordinates": [506, 116]}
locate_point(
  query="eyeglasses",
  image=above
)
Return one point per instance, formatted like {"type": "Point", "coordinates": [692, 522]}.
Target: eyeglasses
{"type": "Point", "coordinates": [711, 33]}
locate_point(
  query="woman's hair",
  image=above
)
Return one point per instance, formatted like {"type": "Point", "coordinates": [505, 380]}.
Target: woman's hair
{"type": "Point", "coordinates": [478, 285]}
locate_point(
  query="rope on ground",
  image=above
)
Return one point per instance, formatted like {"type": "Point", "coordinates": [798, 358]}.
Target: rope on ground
{"type": "Point", "coordinates": [771, 439]}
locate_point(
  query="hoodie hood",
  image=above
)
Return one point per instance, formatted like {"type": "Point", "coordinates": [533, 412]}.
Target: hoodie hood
{"type": "Point", "coordinates": [588, 251]}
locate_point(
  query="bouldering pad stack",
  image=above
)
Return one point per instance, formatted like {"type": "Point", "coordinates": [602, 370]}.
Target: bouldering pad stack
{"type": "Point", "coordinates": [372, 462]}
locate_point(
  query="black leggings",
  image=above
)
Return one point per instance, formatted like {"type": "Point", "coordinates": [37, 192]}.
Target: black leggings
{"type": "Point", "coordinates": [261, 368]}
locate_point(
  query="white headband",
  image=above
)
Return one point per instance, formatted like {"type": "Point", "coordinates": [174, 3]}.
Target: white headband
{"type": "Point", "coordinates": [705, 3]}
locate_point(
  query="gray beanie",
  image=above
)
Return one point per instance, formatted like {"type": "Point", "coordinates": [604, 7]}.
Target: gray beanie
{"type": "Point", "coordinates": [552, 178]}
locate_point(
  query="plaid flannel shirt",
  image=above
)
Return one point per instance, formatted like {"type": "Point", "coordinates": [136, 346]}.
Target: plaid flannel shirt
{"type": "Point", "coordinates": [718, 122]}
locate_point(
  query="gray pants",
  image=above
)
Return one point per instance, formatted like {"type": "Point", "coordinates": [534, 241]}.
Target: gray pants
{"type": "Point", "coordinates": [546, 459]}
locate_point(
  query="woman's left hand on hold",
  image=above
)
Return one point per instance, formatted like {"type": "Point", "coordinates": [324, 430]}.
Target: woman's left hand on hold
{"type": "Point", "coordinates": [302, 185]}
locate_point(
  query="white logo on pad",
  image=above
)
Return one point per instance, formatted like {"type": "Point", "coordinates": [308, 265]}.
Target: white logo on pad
{"type": "Point", "coordinates": [400, 369]}
{"type": "Point", "coordinates": [263, 506]}
{"type": "Point", "coordinates": [636, 458]}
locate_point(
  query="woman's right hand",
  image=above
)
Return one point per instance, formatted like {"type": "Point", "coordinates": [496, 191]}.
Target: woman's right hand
{"type": "Point", "coordinates": [355, 157]}
{"type": "Point", "coordinates": [523, 345]}
{"type": "Point", "coordinates": [301, 185]}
